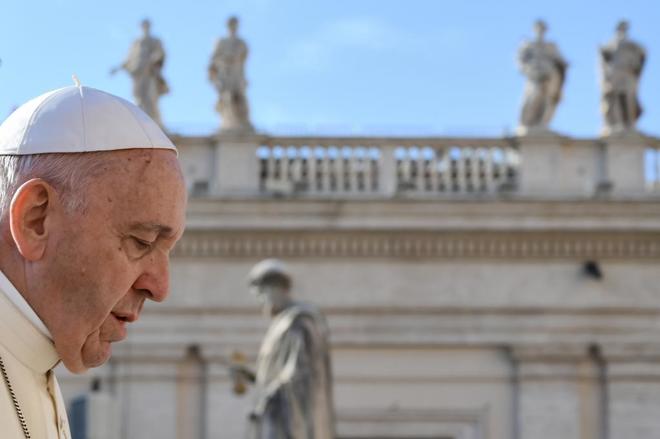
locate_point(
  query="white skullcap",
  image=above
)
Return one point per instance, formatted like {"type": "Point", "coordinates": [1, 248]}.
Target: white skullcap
{"type": "Point", "coordinates": [268, 267]}
{"type": "Point", "coordinates": [79, 119]}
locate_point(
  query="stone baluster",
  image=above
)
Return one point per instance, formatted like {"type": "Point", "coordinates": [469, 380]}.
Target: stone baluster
{"type": "Point", "coordinates": [354, 169]}
{"type": "Point", "coordinates": [488, 169]}
{"type": "Point", "coordinates": [387, 171]}
{"type": "Point", "coordinates": [446, 170]}
{"type": "Point", "coordinates": [434, 172]}
{"type": "Point", "coordinates": [322, 169]}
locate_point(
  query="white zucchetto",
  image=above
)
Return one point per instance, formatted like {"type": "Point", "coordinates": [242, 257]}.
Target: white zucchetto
{"type": "Point", "coordinates": [79, 119]}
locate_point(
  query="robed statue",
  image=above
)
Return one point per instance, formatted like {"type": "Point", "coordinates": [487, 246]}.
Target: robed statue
{"type": "Point", "coordinates": [293, 380]}
{"type": "Point", "coordinates": [227, 73]}
{"type": "Point", "coordinates": [545, 68]}
{"type": "Point", "coordinates": [144, 64]}
{"type": "Point", "coordinates": [622, 61]}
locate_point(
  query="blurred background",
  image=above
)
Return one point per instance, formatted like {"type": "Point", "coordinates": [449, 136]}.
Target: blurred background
{"type": "Point", "coordinates": [480, 281]}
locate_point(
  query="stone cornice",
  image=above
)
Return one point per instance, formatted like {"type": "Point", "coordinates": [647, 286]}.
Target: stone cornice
{"type": "Point", "coordinates": [405, 214]}
{"type": "Point", "coordinates": [571, 245]}
{"type": "Point", "coordinates": [264, 138]}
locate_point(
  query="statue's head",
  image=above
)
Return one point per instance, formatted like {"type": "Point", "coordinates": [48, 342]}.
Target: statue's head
{"type": "Point", "coordinates": [270, 282]}
{"type": "Point", "coordinates": [146, 26]}
{"type": "Point", "coordinates": [232, 24]}
{"type": "Point", "coordinates": [539, 28]}
{"type": "Point", "coordinates": [622, 29]}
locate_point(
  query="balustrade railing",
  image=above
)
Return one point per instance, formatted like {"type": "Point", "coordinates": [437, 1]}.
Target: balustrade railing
{"type": "Point", "coordinates": [370, 165]}
{"type": "Point", "coordinates": [480, 168]}
{"type": "Point", "coordinates": [318, 167]}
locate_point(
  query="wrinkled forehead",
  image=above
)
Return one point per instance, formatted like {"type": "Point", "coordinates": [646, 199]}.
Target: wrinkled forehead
{"type": "Point", "coordinates": [144, 165]}
{"type": "Point", "coordinates": [142, 186]}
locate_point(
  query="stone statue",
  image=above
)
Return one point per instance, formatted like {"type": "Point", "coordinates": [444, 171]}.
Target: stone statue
{"type": "Point", "coordinates": [227, 73]}
{"type": "Point", "coordinates": [545, 69]}
{"type": "Point", "coordinates": [145, 64]}
{"type": "Point", "coordinates": [293, 381]}
{"type": "Point", "coordinates": [622, 61]}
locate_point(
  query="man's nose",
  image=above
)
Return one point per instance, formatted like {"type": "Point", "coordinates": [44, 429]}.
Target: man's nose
{"type": "Point", "coordinates": [154, 281]}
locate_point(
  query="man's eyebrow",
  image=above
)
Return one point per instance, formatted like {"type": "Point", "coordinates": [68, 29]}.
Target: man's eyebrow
{"type": "Point", "coordinates": [160, 229]}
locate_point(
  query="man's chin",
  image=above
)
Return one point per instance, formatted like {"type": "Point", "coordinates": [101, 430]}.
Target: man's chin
{"type": "Point", "coordinates": [88, 359]}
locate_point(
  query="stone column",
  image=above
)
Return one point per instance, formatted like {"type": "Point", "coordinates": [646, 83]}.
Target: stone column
{"type": "Point", "coordinates": [236, 166]}
{"type": "Point", "coordinates": [625, 164]}
{"type": "Point", "coordinates": [557, 167]}
{"type": "Point", "coordinates": [191, 396]}
{"type": "Point", "coordinates": [633, 374]}
{"type": "Point", "coordinates": [557, 393]}
{"type": "Point", "coordinates": [387, 171]}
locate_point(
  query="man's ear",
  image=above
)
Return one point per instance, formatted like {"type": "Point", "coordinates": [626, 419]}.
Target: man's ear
{"type": "Point", "coordinates": [30, 210]}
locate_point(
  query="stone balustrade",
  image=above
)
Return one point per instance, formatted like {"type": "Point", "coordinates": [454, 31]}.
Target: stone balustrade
{"type": "Point", "coordinates": [358, 166]}
{"type": "Point", "coordinates": [538, 167]}
{"type": "Point", "coordinates": [322, 168]}
{"type": "Point", "coordinates": [440, 167]}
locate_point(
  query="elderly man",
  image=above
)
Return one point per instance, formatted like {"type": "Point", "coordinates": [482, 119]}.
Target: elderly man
{"type": "Point", "coordinates": [293, 378]}
{"type": "Point", "coordinates": [92, 201]}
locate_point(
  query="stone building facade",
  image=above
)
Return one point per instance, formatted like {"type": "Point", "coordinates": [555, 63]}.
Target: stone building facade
{"type": "Point", "coordinates": [475, 288]}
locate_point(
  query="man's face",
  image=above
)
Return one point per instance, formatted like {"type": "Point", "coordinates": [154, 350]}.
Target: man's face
{"type": "Point", "coordinates": [104, 262]}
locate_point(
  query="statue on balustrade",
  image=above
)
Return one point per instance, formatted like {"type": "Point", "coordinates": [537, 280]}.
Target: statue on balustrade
{"type": "Point", "coordinates": [293, 380]}
{"type": "Point", "coordinates": [545, 69]}
{"type": "Point", "coordinates": [145, 65]}
{"type": "Point", "coordinates": [227, 73]}
{"type": "Point", "coordinates": [622, 61]}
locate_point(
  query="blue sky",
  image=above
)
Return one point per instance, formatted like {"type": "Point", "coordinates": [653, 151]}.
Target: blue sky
{"type": "Point", "coordinates": [334, 67]}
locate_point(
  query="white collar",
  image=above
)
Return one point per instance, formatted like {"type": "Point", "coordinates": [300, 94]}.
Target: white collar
{"type": "Point", "coordinates": [19, 301]}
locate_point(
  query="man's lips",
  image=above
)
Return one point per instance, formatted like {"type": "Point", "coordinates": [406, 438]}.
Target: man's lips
{"type": "Point", "coordinates": [125, 316]}
{"type": "Point", "coordinates": [122, 318]}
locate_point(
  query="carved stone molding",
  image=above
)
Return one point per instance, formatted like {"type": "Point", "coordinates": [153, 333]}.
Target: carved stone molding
{"type": "Point", "coordinates": [414, 244]}
{"type": "Point", "coordinates": [647, 352]}
{"type": "Point", "coordinates": [454, 423]}
{"type": "Point", "coordinates": [549, 352]}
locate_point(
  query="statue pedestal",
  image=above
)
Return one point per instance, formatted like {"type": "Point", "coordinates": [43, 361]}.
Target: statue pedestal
{"type": "Point", "coordinates": [236, 167]}
{"type": "Point", "coordinates": [557, 167]}
{"type": "Point", "coordinates": [624, 165]}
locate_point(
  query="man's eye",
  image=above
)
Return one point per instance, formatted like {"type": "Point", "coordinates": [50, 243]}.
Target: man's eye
{"type": "Point", "coordinates": [141, 244]}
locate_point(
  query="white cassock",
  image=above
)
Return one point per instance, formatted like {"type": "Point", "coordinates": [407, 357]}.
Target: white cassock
{"type": "Point", "coordinates": [28, 355]}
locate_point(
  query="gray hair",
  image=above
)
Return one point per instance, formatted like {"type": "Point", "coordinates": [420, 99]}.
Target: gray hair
{"type": "Point", "coordinates": [67, 173]}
